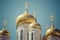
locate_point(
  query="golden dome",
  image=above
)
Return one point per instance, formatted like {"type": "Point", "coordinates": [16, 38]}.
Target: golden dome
{"type": "Point", "coordinates": [25, 18]}
{"type": "Point", "coordinates": [4, 32]}
{"type": "Point", "coordinates": [50, 30]}
{"type": "Point", "coordinates": [35, 25]}
{"type": "Point", "coordinates": [53, 32]}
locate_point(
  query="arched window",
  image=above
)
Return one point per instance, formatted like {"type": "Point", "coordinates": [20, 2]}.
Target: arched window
{"type": "Point", "coordinates": [32, 36]}
{"type": "Point", "coordinates": [27, 35]}
{"type": "Point", "coordinates": [0, 37]}
{"type": "Point", "coordinates": [21, 35]}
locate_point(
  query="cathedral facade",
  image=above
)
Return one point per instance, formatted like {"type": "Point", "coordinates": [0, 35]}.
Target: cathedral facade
{"type": "Point", "coordinates": [28, 28]}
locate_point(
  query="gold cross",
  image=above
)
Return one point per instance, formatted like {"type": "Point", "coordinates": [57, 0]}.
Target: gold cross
{"type": "Point", "coordinates": [34, 15]}
{"type": "Point", "coordinates": [5, 23]}
{"type": "Point", "coordinates": [47, 27]}
{"type": "Point", "coordinates": [52, 20]}
{"type": "Point", "coordinates": [26, 4]}
{"type": "Point", "coordinates": [52, 17]}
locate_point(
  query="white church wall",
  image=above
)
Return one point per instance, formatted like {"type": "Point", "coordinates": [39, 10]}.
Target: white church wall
{"type": "Point", "coordinates": [36, 34]}
{"type": "Point", "coordinates": [19, 29]}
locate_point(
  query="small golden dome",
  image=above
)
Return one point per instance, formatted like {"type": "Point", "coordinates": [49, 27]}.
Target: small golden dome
{"type": "Point", "coordinates": [25, 18]}
{"type": "Point", "coordinates": [50, 30]}
{"type": "Point", "coordinates": [35, 25]}
{"type": "Point", "coordinates": [4, 32]}
{"type": "Point", "coordinates": [53, 32]}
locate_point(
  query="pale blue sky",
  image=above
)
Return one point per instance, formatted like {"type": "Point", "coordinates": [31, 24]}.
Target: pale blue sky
{"type": "Point", "coordinates": [10, 9]}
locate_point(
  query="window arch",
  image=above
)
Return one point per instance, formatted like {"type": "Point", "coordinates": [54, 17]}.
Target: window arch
{"type": "Point", "coordinates": [21, 35]}
{"type": "Point", "coordinates": [32, 37]}
{"type": "Point", "coordinates": [27, 35]}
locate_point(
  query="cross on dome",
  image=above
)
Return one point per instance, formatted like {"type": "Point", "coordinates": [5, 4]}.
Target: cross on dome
{"type": "Point", "coordinates": [4, 24]}
{"type": "Point", "coordinates": [52, 20]}
{"type": "Point", "coordinates": [26, 5]}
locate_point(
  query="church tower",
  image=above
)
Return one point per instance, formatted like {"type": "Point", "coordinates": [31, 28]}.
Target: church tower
{"type": "Point", "coordinates": [27, 26]}
{"type": "Point", "coordinates": [4, 34]}
{"type": "Point", "coordinates": [22, 23]}
{"type": "Point", "coordinates": [52, 33]}
{"type": "Point", "coordinates": [35, 31]}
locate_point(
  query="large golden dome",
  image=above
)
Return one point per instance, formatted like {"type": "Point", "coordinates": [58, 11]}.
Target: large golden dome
{"type": "Point", "coordinates": [25, 18]}
{"type": "Point", "coordinates": [4, 32]}
{"type": "Point", "coordinates": [35, 25]}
